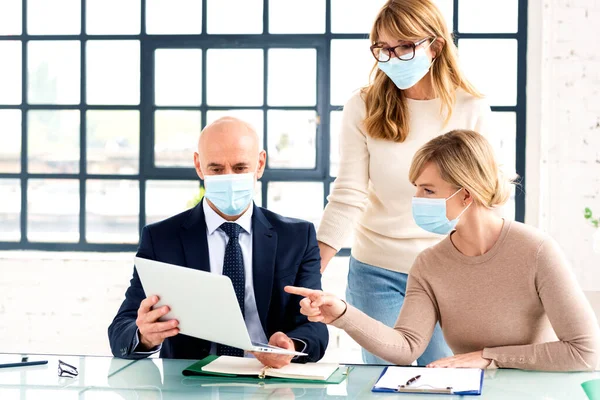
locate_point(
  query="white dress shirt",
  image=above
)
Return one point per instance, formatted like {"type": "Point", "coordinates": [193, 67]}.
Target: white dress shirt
{"type": "Point", "coordinates": [217, 241]}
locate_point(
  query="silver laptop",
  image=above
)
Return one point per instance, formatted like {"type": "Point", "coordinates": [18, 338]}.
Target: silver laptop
{"type": "Point", "coordinates": [204, 304]}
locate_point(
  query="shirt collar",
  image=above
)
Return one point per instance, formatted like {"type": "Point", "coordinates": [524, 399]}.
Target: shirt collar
{"type": "Point", "coordinates": [214, 220]}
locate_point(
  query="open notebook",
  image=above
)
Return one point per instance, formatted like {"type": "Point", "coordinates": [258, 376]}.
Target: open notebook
{"type": "Point", "coordinates": [463, 381]}
{"type": "Point", "coordinates": [226, 366]}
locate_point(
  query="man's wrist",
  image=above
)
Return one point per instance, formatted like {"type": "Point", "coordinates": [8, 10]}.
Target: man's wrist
{"type": "Point", "coordinates": [141, 348]}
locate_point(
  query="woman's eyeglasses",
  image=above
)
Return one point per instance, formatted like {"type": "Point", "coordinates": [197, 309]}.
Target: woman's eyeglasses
{"type": "Point", "coordinates": [66, 370]}
{"type": "Point", "coordinates": [404, 51]}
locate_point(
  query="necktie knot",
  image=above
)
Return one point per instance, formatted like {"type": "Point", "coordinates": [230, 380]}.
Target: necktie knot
{"type": "Point", "coordinates": [231, 229]}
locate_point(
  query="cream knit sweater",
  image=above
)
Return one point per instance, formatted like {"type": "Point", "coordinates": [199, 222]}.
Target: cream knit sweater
{"type": "Point", "coordinates": [372, 194]}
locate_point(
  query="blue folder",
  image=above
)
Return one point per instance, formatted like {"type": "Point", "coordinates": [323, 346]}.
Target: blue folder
{"type": "Point", "coordinates": [427, 390]}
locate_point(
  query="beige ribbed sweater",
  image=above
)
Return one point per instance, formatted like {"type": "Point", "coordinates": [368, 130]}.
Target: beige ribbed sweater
{"type": "Point", "coordinates": [372, 194]}
{"type": "Point", "coordinates": [519, 303]}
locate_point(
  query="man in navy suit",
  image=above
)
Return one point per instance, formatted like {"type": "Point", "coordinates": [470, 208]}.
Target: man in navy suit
{"type": "Point", "coordinates": [227, 234]}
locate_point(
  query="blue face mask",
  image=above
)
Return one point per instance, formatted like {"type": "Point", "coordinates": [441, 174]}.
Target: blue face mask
{"type": "Point", "coordinates": [231, 193]}
{"type": "Point", "coordinates": [406, 74]}
{"type": "Point", "coordinates": [430, 214]}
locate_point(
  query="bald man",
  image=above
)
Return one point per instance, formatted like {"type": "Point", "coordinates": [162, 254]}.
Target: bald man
{"type": "Point", "coordinates": [227, 234]}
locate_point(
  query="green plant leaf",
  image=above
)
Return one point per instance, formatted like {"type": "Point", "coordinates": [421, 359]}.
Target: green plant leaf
{"type": "Point", "coordinates": [193, 202]}
{"type": "Point", "coordinates": [587, 213]}
{"type": "Point", "coordinates": [596, 223]}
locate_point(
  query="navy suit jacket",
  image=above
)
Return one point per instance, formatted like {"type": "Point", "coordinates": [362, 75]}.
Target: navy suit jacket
{"type": "Point", "coordinates": [285, 252]}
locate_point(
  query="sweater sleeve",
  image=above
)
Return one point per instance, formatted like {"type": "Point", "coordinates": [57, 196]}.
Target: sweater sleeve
{"type": "Point", "coordinates": [349, 194]}
{"type": "Point", "coordinates": [408, 339]}
{"type": "Point", "coordinates": [570, 314]}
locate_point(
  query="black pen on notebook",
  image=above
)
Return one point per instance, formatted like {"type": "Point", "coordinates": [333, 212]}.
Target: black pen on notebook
{"type": "Point", "coordinates": [412, 380]}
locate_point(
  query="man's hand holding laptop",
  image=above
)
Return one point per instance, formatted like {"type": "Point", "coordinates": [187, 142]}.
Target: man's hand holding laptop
{"type": "Point", "coordinates": [278, 339]}
{"type": "Point", "coordinates": [153, 332]}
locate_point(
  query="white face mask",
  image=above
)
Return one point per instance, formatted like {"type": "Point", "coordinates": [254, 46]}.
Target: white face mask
{"type": "Point", "coordinates": [231, 193]}
{"type": "Point", "coordinates": [406, 74]}
{"type": "Point", "coordinates": [430, 214]}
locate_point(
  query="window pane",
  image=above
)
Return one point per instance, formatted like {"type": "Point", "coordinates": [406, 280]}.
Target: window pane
{"type": "Point", "coordinates": [292, 77]}
{"type": "Point", "coordinates": [10, 72]}
{"type": "Point", "coordinates": [113, 142]}
{"type": "Point", "coordinates": [504, 139]}
{"type": "Point", "coordinates": [111, 17]}
{"type": "Point", "coordinates": [351, 63]}
{"type": "Point", "coordinates": [174, 16]}
{"type": "Point", "coordinates": [253, 117]}
{"type": "Point", "coordinates": [10, 212]}
{"type": "Point", "coordinates": [176, 137]}
{"type": "Point", "coordinates": [302, 200]}
{"type": "Point", "coordinates": [258, 194]}
{"type": "Point", "coordinates": [335, 125]}
{"type": "Point", "coordinates": [292, 137]}
{"type": "Point", "coordinates": [235, 16]}
{"type": "Point", "coordinates": [53, 141]}
{"type": "Point", "coordinates": [235, 77]}
{"type": "Point", "coordinates": [447, 9]}
{"type": "Point", "coordinates": [11, 17]}
{"type": "Point", "coordinates": [53, 210]}
{"type": "Point", "coordinates": [495, 76]}
{"type": "Point", "coordinates": [54, 72]}
{"type": "Point", "coordinates": [293, 16]}
{"type": "Point", "coordinates": [484, 16]}
{"type": "Point", "coordinates": [113, 72]}
{"type": "Point", "coordinates": [10, 141]}
{"type": "Point", "coordinates": [178, 77]}
{"type": "Point", "coordinates": [56, 17]}
{"type": "Point", "coordinates": [354, 16]}
{"type": "Point", "coordinates": [167, 198]}
{"type": "Point", "coordinates": [112, 211]}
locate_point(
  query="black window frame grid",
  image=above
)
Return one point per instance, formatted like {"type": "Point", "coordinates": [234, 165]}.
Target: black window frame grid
{"type": "Point", "coordinates": [204, 41]}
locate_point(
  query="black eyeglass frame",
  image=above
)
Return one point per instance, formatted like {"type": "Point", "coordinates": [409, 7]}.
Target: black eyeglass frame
{"type": "Point", "coordinates": [393, 49]}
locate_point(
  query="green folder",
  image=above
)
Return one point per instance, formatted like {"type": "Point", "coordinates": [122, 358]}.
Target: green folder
{"type": "Point", "coordinates": [592, 389]}
{"type": "Point", "coordinates": [195, 370]}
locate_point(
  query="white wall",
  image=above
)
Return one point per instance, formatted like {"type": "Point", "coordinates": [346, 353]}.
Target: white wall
{"type": "Point", "coordinates": [563, 127]}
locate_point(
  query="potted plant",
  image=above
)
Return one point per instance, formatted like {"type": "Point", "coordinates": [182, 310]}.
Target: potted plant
{"type": "Point", "coordinates": [596, 223]}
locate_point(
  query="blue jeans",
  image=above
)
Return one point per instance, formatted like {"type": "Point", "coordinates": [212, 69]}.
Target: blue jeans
{"type": "Point", "coordinates": [379, 293]}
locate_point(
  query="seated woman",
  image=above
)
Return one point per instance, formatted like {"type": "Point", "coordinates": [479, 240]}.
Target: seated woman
{"type": "Point", "coordinates": [502, 291]}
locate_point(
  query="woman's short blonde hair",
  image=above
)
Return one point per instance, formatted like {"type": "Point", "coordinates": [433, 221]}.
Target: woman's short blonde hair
{"type": "Point", "coordinates": [465, 159]}
{"type": "Point", "coordinates": [386, 109]}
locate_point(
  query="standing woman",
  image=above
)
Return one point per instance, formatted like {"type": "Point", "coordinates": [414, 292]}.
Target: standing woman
{"type": "Point", "coordinates": [418, 92]}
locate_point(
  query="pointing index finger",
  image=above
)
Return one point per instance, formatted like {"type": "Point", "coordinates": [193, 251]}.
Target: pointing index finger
{"type": "Point", "coordinates": [300, 291]}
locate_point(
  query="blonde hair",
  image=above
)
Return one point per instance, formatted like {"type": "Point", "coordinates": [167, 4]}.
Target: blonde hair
{"type": "Point", "coordinates": [465, 159]}
{"type": "Point", "coordinates": [387, 113]}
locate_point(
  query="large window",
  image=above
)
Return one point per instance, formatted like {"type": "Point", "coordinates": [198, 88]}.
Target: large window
{"type": "Point", "coordinates": [102, 101]}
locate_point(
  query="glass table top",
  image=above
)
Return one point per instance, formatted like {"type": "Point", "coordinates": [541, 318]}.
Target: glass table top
{"type": "Point", "coordinates": [106, 378]}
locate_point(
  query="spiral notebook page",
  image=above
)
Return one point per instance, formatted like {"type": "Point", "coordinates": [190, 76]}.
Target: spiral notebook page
{"type": "Point", "coordinates": [459, 379]}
